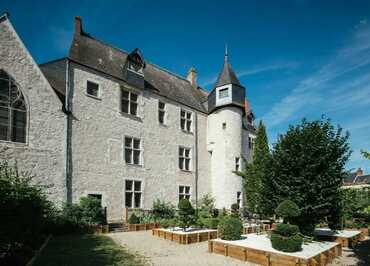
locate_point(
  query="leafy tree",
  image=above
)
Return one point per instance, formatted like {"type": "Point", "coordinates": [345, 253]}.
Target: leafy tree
{"type": "Point", "coordinates": [230, 228]}
{"type": "Point", "coordinates": [257, 173]}
{"type": "Point", "coordinates": [366, 154]}
{"type": "Point", "coordinates": [163, 210]}
{"type": "Point", "coordinates": [308, 168]}
{"type": "Point", "coordinates": [186, 214]}
{"type": "Point", "coordinates": [288, 210]}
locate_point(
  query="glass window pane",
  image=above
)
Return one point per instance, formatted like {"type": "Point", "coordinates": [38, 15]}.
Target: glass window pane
{"type": "Point", "coordinates": [187, 164]}
{"type": "Point", "coordinates": [4, 116]}
{"type": "Point", "coordinates": [181, 151]}
{"type": "Point", "coordinates": [136, 157]}
{"type": "Point", "coordinates": [128, 142]}
{"type": "Point", "coordinates": [183, 124]}
{"type": "Point", "coordinates": [136, 143]}
{"type": "Point", "coordinates": [187, 197]}
{"type": "Point", "coordinates": [188, 125]}
{"type": "Point", "coordinates": [128, 199]}
{"type": "Point", "coordinates": [161, 105]}
{"type": "Point", "coordinates": [182, 114]}
{"type": "Point", "coordinates": [187, 190]}
{"type": "Point", "coordinates": [133, 97]}
{"type": "Point", "coordinates": [92, 88]}
{"type": "Point", "coordinates": [181, 163]}
{"type": "Point", "coordinates": [125, 94]}
{"type": "Point", "coordinates": [187, 153]}
{"type": "Point", "coordinates": [4, 90]}
{"type": "Point", "coordinates": [181, 189]}
{"type": "Point", "coordinates": [133, 108]}
{"type": "Point", "coordinates": [124, 106]}
{"type": "Point", "coordinates": [188, 115]}
{"type": "Point", "coordinates": [128, 185]}
{"type": "Point", "coordinates": [128, 155]}
{"type": "Point", "coordinates": [137, 200]}
{"type": "Point", "coordinates": [137, 185]}
{"type": "Point", "coordinates": [224, 93]}
{"type": "Point", "coordinates": [161, 117]}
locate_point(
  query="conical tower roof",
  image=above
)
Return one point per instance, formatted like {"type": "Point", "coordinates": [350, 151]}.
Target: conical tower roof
{"type": "Point", "coordinates": [227, 75]}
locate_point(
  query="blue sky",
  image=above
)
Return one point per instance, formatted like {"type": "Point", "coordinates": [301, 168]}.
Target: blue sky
{"type": "Point", "coordinates": [297, 58]}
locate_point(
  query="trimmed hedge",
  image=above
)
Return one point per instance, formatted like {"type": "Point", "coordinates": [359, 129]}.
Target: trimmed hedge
{"type": "Point", "coordinates": [230, 228]}
{"type": "Point", "coordinates": [287, 229]}
{"type": "Point", "coordinates": [133, 219]}
{"type": "Point", "coordinates": [286, 243]}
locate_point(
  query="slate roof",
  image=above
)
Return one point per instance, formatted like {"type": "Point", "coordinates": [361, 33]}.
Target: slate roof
{"type": "Point", "coordinates": [227, 75]}
{"type": "Point", "coordinates": [354, 179]}
{"type": "Point", "coordinates": [105, 58]}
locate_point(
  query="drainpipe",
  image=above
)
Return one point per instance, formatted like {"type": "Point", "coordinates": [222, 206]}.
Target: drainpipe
{"type": "Point", "coordinates": [196, 161]}
{"type": "Point", "coordinates": [68, 135]}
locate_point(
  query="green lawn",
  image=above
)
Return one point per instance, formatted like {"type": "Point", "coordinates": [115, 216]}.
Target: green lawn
{"type": "Point", "coordinates": [85, 250]}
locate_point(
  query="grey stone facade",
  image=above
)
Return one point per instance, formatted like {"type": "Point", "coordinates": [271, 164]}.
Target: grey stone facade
{"type": "Point", "coordinates": [98, 128]}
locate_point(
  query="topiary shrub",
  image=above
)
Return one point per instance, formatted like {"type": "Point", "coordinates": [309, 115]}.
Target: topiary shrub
{"type": "Point", "coordinates": [287, 209]}
{"type": "Point", "coordinates": [235, 210]}
{"type": "Point", "coordinates": [230, 228]}
{"type": "Point", "coordinates": [186, 214]}
{"type": "Point", "coordinates": [286, 243]}
{"type": "Point", "coordinates": [286, 236]}
{"type": "Point", "coordinates": [133, 219]}
{"type": "Point", "coordinates": [210, 223]}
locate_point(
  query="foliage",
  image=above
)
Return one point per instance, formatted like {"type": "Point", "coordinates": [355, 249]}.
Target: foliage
{"type": "Point", "coordinates": [207, 207]}
{"type": "Point", "coordinates": [230, 228]}
{"type": "Point", "coordinates": [24, 215]}
{"type": "Point", "coordinates": [287, 229]}
{"type": "Point", "coordinates": [308, 168]}
{"type": "Point", "coordinates": [92, 212]}
{"type": "Point", "coordinates": [165, 223]}
{"type": "Point", "coordinates": [257, 173]}
{"type": "Point", "coordinates": [133, 219]}
{"type": "Point", "coordinates": [235, 210]}
{"type": "Point", "coordinates": [366, 154]}
{"type": "Point", "coordinates": [163, 210]}
{"type": "Point", "coordinates": [286, 243]}
{"type": "Point", "coordinates": [288, 210]}
{"type": "Point", "coordinates": [210, 223]}
{"type": "Point", "coordinates": [355, 202]}
{"type": "Point", "coordinates": [186, 214]}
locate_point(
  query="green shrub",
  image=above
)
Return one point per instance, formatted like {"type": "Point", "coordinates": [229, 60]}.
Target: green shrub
{"type": "Point", "coordinates": [163, 210]}
{"type": "Point", "coordinates": [230, 228]}
{"type": "Point", "coordinates": [186, 214]}
{"type": "Point", "coordinates": [211, 223]}
{"type": "Point", "coordinates": [165, 223]}
{"type": "Point", "coordinates": [286, 229]}
{"type": "Point", "coordinates": [133, 219]}
{"type": "Point", "coordinates": [286, 243]}
{"type": "Point", "coordinates": [235, 210]}
{"type": "Point", "coordinates": [287, 209]}
{"type": "Point", "coordinates": [92, 212]}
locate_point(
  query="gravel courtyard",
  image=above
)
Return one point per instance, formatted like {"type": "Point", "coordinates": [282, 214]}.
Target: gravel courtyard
{"type": "Point", "coordinates": [159, 252]}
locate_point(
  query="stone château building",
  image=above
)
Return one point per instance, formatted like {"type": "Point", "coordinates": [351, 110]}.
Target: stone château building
{"type": "Point", "coordinates": [107, 123]}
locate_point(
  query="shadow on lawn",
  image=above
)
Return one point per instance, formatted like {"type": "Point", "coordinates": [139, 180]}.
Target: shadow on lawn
{"type": "Point", "coordinates": [85, 250]}
{"type": "Point", "coordinates": [362, 252]}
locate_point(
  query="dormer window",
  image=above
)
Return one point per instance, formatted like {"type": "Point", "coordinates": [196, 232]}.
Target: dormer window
{"type": "Point", "coordinates": [136, 62]}
{"type": "Point", "coordinates": [223, 93]}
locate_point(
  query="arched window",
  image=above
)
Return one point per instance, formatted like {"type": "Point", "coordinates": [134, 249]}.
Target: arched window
{"type": "Point", "coordinates": [13, 112]}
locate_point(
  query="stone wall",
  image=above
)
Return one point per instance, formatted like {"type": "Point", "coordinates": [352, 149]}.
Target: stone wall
{"type": "Point", "coordinates": [43, 153]}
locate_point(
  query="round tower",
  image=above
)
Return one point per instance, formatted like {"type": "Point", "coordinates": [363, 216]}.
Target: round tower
{"type": "Point", "coordinates": [225, 126]}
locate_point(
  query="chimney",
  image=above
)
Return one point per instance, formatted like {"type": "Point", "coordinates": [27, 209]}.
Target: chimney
{"type": "Point", "coordinates": [192, 77]}
{"type": "Point", "coordinates": [78, 25]}
{"type": "Point", "coordinates": [359, 172]}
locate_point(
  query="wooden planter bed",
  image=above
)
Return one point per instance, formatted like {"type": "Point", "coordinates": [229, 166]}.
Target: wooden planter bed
{"type": "Point", "coordinates": [347, 238]}
{"type": "Point", "coordinates": [257, 249]}
{"type": "Point", "coordinates": [185, 237]}
{"type": "Point", "coordinates": [254, 228]}
{"type": "Point", "coordinates": [142, 227]}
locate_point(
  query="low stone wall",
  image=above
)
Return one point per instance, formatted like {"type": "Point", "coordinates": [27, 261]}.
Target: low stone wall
{"type": "Point", "coordinates": [262, 257]}
{"type": "Point", "coordinates": [185, 237]}
{"type": "Point", "coordinates": [142, 227]}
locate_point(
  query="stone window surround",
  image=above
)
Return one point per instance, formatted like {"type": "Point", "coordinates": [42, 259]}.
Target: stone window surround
{"type": "Point", "coordinates": [92, 80]}
{"type": "Point", "coordinates": [183, 156]}
{"type": "Point", "coordinates": [183, 194]}
{"type": "Point", "coordinates": [142, 187]}
{"type": "Point", "coordinates": [141, 158]}
{"type": "Point", "coordinates": [187, 111]}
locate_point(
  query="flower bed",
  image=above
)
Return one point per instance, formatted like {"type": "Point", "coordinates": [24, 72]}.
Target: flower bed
{"type": "Point", "coordinates": [187, 237]}
{"type": "Point", "coordinates": [347, 238]}
{"type": "Point", "coordinates": [257, 249]}
{"type": "Point", "coordinates": [142, 227]}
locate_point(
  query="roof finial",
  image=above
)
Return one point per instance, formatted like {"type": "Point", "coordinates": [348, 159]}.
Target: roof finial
{"type": "Point", "coordinates": [226, 54]}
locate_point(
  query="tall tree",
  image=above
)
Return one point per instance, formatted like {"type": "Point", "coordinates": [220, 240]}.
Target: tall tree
{"type": "Point", "coordinates": [308, 168]}
{"type": "Point", "coordinates": [255, 172]}
{"type": "Point", "coordinates": [366, 154]}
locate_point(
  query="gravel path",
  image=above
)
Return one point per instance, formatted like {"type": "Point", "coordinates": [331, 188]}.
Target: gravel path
{"type": "Point", "coordinates": [161, 252]}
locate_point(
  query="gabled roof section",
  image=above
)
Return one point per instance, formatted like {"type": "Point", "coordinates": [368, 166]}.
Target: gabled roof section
{"type": "Point", "coordinates": [105, 58]}
{"type": "Point", "coordinates": [227, 75]}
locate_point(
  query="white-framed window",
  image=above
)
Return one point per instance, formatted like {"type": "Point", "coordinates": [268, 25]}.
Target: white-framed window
{"type": "Point", "coordinates": [133, 193]}
{"type": "Point", "coordinates": [223, 93]}
{"type": "Point", "coordinates": [92, 89]}
{"type": "Point", "coordinates": [184, 192]}
{"type": "Point", "coordinates": [161, 112]}
{"type": "Point", "coordinates": [133, 151]}
{"type": "Point", "coordinates": [184, 158]}
{"type": "Point", "coordinates": [129, 102]}
{"type": "Point", "coordinates": [186, 120]}
{"type": "Point", "coordinates": [237, 163]}
{"type": "Point", "coordinates": [238, 198]}
{"type": "Point", "coordinates": [251, 143]}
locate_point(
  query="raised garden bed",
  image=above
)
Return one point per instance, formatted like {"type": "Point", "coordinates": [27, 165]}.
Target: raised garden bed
{"type": "Point", "coordinates": [257, 249]}
{"type": "Point", "coordinates": [142, 227]}
{"type": "Point", "coordinates": [254, 228]}
{"type": "Point", "coordinates": [347, 238]}
{"type": "Point", "coordinates": [188, 237]}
